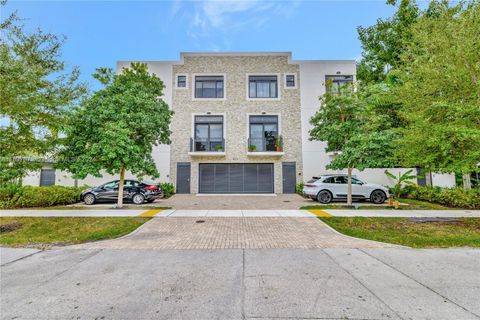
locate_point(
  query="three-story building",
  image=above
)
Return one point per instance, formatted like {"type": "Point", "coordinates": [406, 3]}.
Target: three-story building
{"type": "Point", "coordinates": [241, 124]}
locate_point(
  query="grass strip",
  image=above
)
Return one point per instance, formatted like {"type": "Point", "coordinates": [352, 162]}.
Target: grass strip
{"type": "Point", "coordinates": [463, 233]}
{"type": "Point", "coordinates": [43, 232]}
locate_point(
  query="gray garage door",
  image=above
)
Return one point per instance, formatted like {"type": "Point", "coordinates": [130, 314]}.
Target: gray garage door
{"type": "Point", "coordinates": [236, 178]}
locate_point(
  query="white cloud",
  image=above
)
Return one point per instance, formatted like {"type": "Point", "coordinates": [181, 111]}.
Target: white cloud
{"type": "Point", "coordinates": [222, 17]}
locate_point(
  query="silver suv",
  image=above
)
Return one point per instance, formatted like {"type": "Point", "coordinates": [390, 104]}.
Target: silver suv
{"type": "Point", "coordinates": [326, 188]}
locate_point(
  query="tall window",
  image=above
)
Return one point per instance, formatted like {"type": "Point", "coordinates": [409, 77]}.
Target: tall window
{"type": "Point", "coordinates": [263, 133]}
{"type": "Point", "coordinates": [332, 83]}
{"type": "Point", "coordinates": [262, 86]}
{"type": "Point", "coordinates": [208, 133]}
{"type": "Point", "coordinates": [209, 87]}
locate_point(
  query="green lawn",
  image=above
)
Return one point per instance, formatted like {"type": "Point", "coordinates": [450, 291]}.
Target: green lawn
{"type": "Point", "coordinates": [405, 204]}
{"type": "Point", "coordinates": [43, 232]}
{"type": "Point", "coordinates": [465, 232]}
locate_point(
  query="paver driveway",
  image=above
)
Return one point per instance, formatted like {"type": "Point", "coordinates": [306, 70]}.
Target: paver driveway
{"type": "Point", "coordinates": [233, 233]}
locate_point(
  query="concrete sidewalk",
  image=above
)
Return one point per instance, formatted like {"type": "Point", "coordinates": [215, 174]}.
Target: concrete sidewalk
{"type": "Point", "coordinates": [334, 283]}
{"type": "Point", "coordinates": [239, 213]}
{"type": "Point", "coordinates": [405, 213]}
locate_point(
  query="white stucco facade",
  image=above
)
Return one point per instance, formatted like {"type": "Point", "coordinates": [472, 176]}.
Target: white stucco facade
{"type": "Point", "coordinates": [310, 156]}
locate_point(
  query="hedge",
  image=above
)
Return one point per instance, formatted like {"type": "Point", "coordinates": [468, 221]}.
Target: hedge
{"type": "Point", "coordinates": [168, 189]}
{"type": "Point", "coordinates": [451, 197]}
{"type": "Point", "coordinates": [15, 196]}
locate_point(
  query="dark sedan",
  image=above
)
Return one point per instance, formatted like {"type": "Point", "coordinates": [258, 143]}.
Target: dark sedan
{"type": "Point", "coordinates": [134, 191]}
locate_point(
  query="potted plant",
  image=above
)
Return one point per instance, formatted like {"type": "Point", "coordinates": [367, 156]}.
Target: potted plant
{"type": "Point", "coordinates": [219, 148]}
{"type": "Point", "coordinates": [399, 182]}
{"type": "Point", "coordinates": [279, 144]}
{"type": "Point", "coordinates": [252, 148]}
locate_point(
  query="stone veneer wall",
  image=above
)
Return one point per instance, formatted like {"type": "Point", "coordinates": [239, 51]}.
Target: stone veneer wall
{"type": "Point", "coordinates": [235, 107]}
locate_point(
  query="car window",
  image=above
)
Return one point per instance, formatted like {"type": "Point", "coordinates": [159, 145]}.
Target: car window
{"type": "Point", "coordinates": [131, 183]}
{"type": "Point", "coordinates": [356, 181]}
{"type": "Point", "coordinates": [110, 185]}
{"type": "Point", "coordinates": [329, 180]}
{"type": "Point", "coordinates": [340, 180]}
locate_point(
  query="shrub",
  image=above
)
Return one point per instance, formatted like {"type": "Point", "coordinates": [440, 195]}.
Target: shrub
{"type": "Point", "coordinates": [299, 189]}
{"type": "Point", "coordinates": [452, 197]}
{"type": "Point", "coordinates": [168, 189]}
{"type": "Point", "coordinates": [28, 196]}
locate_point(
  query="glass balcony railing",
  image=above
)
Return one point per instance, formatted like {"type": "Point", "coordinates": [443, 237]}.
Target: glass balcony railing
{"type": "Point", "coordinates": [207, 145]}
{"type": "Point", "coordinates": [270, 144]}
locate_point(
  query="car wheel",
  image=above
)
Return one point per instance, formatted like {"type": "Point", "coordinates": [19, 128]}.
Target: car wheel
{"type": "Point", "coordinates": [378, 197]}
{"type": "Point", "coordinates": [324, 196]}
{"type": "Point", "coordinates": [138, 198]}
{"type": "Point", "coordinates": [89, 199]}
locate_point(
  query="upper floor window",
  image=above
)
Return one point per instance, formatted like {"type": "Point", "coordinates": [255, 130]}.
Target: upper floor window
{"type": "Point", "coordinates": [181, 81]}
{"type": "Point", "coordinates": [263, 133]}
{"type": "Point", "coordinates": [332, 83]}
{"type": "Point", "coordinates": [209, 87]}
{"type": "Point", "coordinates": [263, 86]}
{"type": "Point", "coordinates": [208, 133]}
{"type": "Point", "coordinates": [290, 81]}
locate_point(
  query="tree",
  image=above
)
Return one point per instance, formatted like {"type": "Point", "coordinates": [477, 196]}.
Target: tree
{"type": "Point", "coordinates": [384, 42]}
{"type": "Point", "coordinates": [35, 89]}
{"type": "Point", "coordinates": [116, 128]}
{"type": "Point", "coordinates": [348, 121]}
{"type": "Point", "coordinates": [401, 180]}
{"type": "Point", "coordinates": [440, 90]}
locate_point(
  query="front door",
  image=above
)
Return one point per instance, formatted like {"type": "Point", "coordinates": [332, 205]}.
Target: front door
{"type": "Point", "coordinates": [183, 177]}
{"type": "Point", "coordinates": [289, 177]}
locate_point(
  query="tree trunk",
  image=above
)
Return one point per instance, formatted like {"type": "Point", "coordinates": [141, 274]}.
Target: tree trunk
{"type": "Point", "coordinates": [467, 182]}
{"type": "Point", "coordinates": [120, 188]}
{"type": "Point", "coordinates": [349, 187]}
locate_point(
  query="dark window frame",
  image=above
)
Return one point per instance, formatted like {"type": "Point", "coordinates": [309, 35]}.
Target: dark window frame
{"type": "Point", "coordinates": [333, 82]}
{"type": "Point", "coordinates": [219, 86]}
{"type": "Point", "coordinates": [181, 83]}
{"type": "Point", "coordinates": [262, 79]}
{"type": "Point", "coordinates": [268, 143]}
{"type": "Point", "coordinates": [292, 82]}
{"type": "Point", "coordinates": [209, 144]}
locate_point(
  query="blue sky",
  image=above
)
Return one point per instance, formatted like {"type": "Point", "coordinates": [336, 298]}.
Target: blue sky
{"type": "Point", "coordinates": [101, 32]}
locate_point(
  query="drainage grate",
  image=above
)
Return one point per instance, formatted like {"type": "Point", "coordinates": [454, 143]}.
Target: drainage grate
{"type": "Point", "coordinates": [200, 221]}
{"type": "Point", "coordinates": [286, 200]}
{"type": "Point", "coordinates": [427, 220]}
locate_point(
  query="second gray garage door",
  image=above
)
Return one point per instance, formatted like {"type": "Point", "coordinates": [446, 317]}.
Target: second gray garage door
{"type": "Point", "coordinates": [236, 178]}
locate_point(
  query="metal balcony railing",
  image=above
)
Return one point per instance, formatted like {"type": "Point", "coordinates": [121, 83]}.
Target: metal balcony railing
{"type": "Point", "coordinates": [206, 145]}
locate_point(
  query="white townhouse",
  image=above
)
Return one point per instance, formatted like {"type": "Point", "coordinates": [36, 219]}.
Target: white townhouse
{"type": "Point", "coordinates": [241, 124]}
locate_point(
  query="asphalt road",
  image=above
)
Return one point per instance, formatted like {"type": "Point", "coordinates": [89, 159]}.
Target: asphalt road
{"type": "Point", "coordinates": [381, 283]}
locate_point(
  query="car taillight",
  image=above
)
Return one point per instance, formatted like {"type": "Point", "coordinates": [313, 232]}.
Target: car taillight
{"type": "Point", "coordinates": [309, 185]}
{"type": "Point", "coordinates": [151, 187]}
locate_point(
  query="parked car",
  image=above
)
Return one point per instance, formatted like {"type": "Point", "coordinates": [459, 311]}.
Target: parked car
{"type": "Point", "coordinates": [134, 191]}
{"type": "Point", "coordinates": [326, 188]}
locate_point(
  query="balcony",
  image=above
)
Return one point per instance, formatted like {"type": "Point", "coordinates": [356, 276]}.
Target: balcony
{"type": "Point", "coordinates": [207, 148]}
{"type": "Point", "coordinates": [265, 147]}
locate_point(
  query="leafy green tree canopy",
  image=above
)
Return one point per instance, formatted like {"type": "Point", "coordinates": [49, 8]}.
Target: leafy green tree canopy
{"type": "Point", "coordinates": [36, 89]}
{"type": "Point", "coordinates": [353, 126]}
{"type": "Point", "coordinates": [440, 90]}
{"type": "Point", "coordinates": [383, 42]}
{"type": "Point", "coordinates": [116, 128]}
